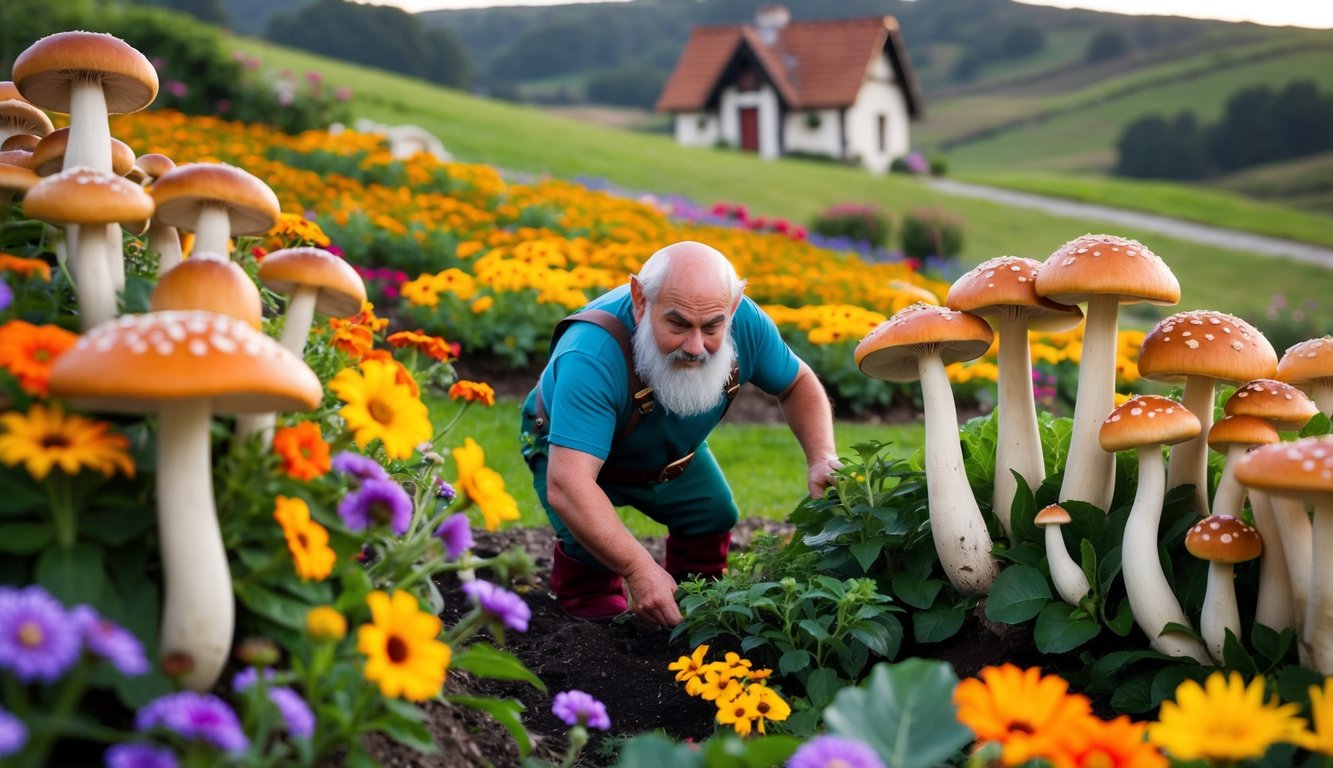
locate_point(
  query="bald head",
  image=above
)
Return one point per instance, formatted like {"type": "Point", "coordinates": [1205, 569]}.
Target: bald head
{"type": "Point", "coordinates": [691, 269]}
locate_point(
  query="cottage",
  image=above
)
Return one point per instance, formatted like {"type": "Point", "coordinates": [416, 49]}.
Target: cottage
{"type": "Point", "coordinates": [840, 88]}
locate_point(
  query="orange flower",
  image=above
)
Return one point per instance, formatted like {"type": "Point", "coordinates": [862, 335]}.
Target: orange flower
{"type": "Point", "coordinates": [25, 267]}
{"type": "Point", "coordinates": [353, 340]}
{"type": "Point", "coordinates": [472, 392]}
{"type": "Point", "coordinates": [28, 351]}
{"type": "Point", "coordinates": [436, 347]}
{"type": "Point", "coordinates": [303, 451]}
{"type": "Point", "coordinates": [1119, 743]}
{"type": "Point", "coordinates": [367, 318]}
{"type": "Point", "coordinates": [401, 374]}
{"type": "Point", "coordinates": [308, 541]}
{"type": "Point", "coordinates": [1031, 716]}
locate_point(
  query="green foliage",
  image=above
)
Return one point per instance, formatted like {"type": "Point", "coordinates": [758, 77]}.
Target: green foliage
{"type": "Point", "coordinates": [916, 697]}
{"type": "Point", "coordinates": [1107, 45]}
{"type": "Point", "coordinates": [936, 232]}
{"type": "Point", "coordinates": [860, 223]}
{"type": "Point", "coordinates": [632, 86]}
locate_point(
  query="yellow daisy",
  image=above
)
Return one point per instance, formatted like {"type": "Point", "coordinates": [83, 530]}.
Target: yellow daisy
{"type": "Point", "coordinates": [740, 712]}
{"type": "Point", "coordinates": [48, 437]}
{"type": "Point", "coordinates": [307, 539]}
{"type": "Point", "coordinates": [689, 667]}
{"type": "Point", "coordinates": [1224, 720]}
{"type": "Point", "coordinates": [483, 486]}
{"type": "Point", "coordinates": [402, 653]}
{"type": "Point", "coordinates": [1320, 737]}
{"type": "Point", "coordinates": [324, 622]}
{"type": "Point", "coordinates": [768, 705]}
{"type": "Point", "coordinates": [379, 407]}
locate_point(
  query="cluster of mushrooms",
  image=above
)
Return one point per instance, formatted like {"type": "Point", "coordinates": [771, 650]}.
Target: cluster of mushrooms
{"type": "Point", "coordinates": [200, 352]}
{"type": "Point", "coordinates": [1200, 349]}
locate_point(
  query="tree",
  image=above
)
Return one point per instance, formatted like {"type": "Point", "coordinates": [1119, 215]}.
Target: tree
{"type": "Point", "coordinates": [1107, 45]}
{"type": "Point", "coordinates": [1021, 41]}
{"type": "Point", "coordinates": [1246, 135]}
{"type": "Point", "coordinates": [1154, 147]}
{"type": "Point", "coordinates": [211, 11]}
{"type": "Point", "coordinates": [632, 86]}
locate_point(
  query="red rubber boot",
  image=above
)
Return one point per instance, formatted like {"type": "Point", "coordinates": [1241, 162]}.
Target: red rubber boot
{"type": "Point", "coordinates": [586, 592]}
{"type": "Point", "coordinates": [704, 556]}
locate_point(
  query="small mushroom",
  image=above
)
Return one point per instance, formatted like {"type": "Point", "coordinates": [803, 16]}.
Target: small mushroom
{"type": "Point", "coordinates": [212, 285]}
{"type": "Point", "coordinates": [1309, 365]}
{"type": "Point", "coordinates": [23, 141]}
{"type": "Point", "coordinates": [1146, 423]}
{"type": "Point", "coordinates": [1222, 540]}
{"type": "Point", "coordinates": [18, 117]}
{"type": "Point", "coordinates": [13, 180]}
{"type": "Point", "coordinates": [216, 201]}
{"type": "Point", "coordinates": [1232, 437]}
{"type": "Point", "coordinates": [1070, 581]}
{"type": "Point", "coordinates": [163, 239]}
{"type": "Point", "coordinates": [916, 343]}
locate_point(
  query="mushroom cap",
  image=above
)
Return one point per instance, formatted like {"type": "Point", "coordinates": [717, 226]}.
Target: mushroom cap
{"type": "Point", "coordinates": [1148, 420]}
{"type": "Point", "coordinates": [1307, 361]}
{"type": "Point", "coordinates": [1106, 265]}
{"type": "Point", "coordinates": [25, 117]}
{"type": "Point", "coordinates": [46, 71]}
{"type": "Point", "coordinates": [211, 285]}
{"type": "Point", "coordinates": [1302, 468]}
{"type": "Point", "coordinates": [82, 195]}
{"type": "Point", "coordinates": [890, 351]}
{"type": "Point", "coordinates": [20, 157]}
{"type": "Point", "coordinates": [1052, 515]}
{"type": "Point", "coordinates": [1008, 284]}
{"type": "Point", "coordinates": [9, 91]}
{"type": "Point", "coordinates": [136, 362]}
{"type": "Point", "coordinates": [16, 178]}
{"type": "Point", "coordinates": [1206, 343]}
{"type": "Point", "coordinates": [341, 290]}
{"type": "Point", "coordinates": [48, 156]}
{"type": "Point", "coordinates": [25, 141]}
{"type": "Point", "coordinates": [1224, 539]}
{"type": "Point", "coordinates": [1241, 430]}
{"type": "Point", "coordinates": [182, 193]}
{"type": "Point", "coordinates": [1277, 401]}
{"type": "Point", "coordinates": [154, 165]}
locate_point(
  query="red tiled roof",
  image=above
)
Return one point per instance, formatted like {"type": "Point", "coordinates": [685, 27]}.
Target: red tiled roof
{"type": "Point", "coordinates": [815, 64]}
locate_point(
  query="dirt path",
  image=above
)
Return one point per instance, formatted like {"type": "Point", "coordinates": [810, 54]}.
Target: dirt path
{"type": "Point", "coordinates": [1230, 239]}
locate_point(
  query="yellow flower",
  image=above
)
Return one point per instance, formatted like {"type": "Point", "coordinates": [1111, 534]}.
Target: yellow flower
{"type": "Point", "coordinates": [402, 653]}
{"type": "Point", "coordinates": [739, 712]}
{"type": "Point", "coordinates": [1223, 720]}
{"type": "Point", "coordinates": [307, 539]}
{"type": "Point", "coordinates": [768, 705]}
{"type": "Point", "coordinates": [689, 667]}
{"type": "Point", "coordinates": [1031, 716]}
{"type": "Point", "coordinates": [421, 292]}
{"type": "Point", "coordinates": [483, 485]}
{"type": "Point", "coordinates": [379, 407]}
{"type": "Point", "coordinates": [1320, 737]}
{"type": "Point", "coordinates": [323, 622]}
{"type": "Point", "coordinates": [719, 686]}
{"type": "Point", "coordinates": [482, 304]}
{"type": "Point", "coordinates": [44, 438]}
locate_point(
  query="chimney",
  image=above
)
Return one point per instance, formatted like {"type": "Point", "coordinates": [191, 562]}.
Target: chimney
{"type": "Point", "coordinates": [769, 20]}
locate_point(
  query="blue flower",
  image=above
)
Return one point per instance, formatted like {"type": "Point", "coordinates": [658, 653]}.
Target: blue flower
{"type": "Point", "coordinates": [38, 641]}
{"type": "Point", "coordinates": [579, 708]}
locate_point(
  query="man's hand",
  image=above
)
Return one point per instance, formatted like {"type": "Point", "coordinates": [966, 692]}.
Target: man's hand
{"type": "Point", "coordinates": [652, 594]}
{"type": "Point", "coordinates": [819, 475]}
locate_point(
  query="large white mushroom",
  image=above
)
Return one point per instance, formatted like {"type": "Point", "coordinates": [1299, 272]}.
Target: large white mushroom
{"type": "Point", "coordinates": [1309, 365]}
{"type": "Point", "coordinates": [1222, 540]}
{"type": "Point", "coordinates": [915, 344]}
{"type": "Point", "coordinates": [1146, 423]}
{"type": "Point", "coordinates": [1104, 271]}
{"type": "Point", "coordinates": [1003, 290]}
{"type": "Point", "coordinates": [216, 201]}
{"type": "Point", "coordinates": [184, 367]}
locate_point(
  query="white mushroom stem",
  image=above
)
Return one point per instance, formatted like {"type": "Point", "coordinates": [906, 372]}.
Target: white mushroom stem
{"type": "Point", "coordinates": [89, 128]}
{"type": "Point", "coordinates": [1276, 606]}
{"type": "Point", "coordinates": [1230, 495]}
{"type": "Point", "coordinates": [1090, 471]}
{"type": "Point", "coordinates": [1319, 611]}
{"type": "Point", "coordinates": [212, 230]}
{"type": "Point", "coordinates": [198, 613]}
{"type": "Point", "coordinates": [1069, 578]}
{"type": "Point", "coordinates": [1018, 443]}
{"type": "Point", "coordinates": [961, 539]}
{"type": "Point", "coordinates": [1220, 612]}
{"type": "Point", "coordinates": [115, 257]}
{"type": "Point", "coordinates": [1189, 460]}
{"type": "Point", "coordinates": [92, 279]}
{"type": "Point", "coordinates": [295, 331]}
{"type": "Point", "coordinates": [1150, 597]}
{"type": "Point", "coordinates": [1296, 534]}
{"type": "Point", "coordinates": [166, 241]}
{"type": "Point", "coordinates": [1321, 392]}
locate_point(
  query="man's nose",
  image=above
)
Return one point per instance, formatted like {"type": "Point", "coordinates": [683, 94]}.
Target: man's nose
{"type": "Point", "coordinates": [694, 344]}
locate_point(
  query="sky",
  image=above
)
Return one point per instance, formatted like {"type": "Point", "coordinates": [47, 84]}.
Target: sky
{"type": "Point", "coordinates": [1305, 13]}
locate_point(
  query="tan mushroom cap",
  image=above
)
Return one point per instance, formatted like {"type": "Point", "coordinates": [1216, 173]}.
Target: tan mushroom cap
{"type": "Point", "coordinates": [20, 157]}
{"type": "Point", "coordinates": [211, 285]}
{"type": "Point", "coordinates": [1241, 430]}
{"type": "Point", "coordinates": [10, 91]}
{"type": "Point", "coordinates": [1009, 284]}
{"type": "Point", "coordinates": [46, 71]}
{"type": "Point", "coordinates": [1148, 420]}
{"type": "Point", "coordinates": [1302, 468]}
{"type": "Point", "coordinates": [1206, 343]}
{"type": "Point", "coordinates": [1277, 401]}
{"type": "Point", "coordinates": [1052, 515]}
{"type": "Point", "coordinates": [1106, 265]}
{"type": "Point", "coordinates": [1307, 361]}
{"type": "Point", "coordinates": [1224, 539]}
{"type": "Point", "coordinates": [341, 289]}
{"type": "Point", "coordinates": [135, 363]}
{"type": "Point", "coordinates": [154, 165]}
{"type": "Point", "coordinates": [24, 118]}
{"type": "Point", "coordinates": [24, 141]}
{"type": "Point", "coordinates": [48, 156]}
{"type": "Point", "coordinates": [890, 351]}
{"type": "Point", "coordinates": [84, 196]}
{"type": "Point", "coordinates": [181, 193]}
{"type": "Point", "coordinates": [14, 178]}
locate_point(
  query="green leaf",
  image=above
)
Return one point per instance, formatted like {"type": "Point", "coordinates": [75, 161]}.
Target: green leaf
{"type": "Point", "coordinates": [280, 609]}
{"type": "Point", "coordinates": [916, 592]}
{"type": "Point", "coordinates": [115, 526]}
{"type": "Point", "coordinates": [1088, 561]}
{"type": "Point", "coordinates": [410, 733]}
{"type": "Point", "coordinates": [821, 686]}
{"type": "Point", "coordinates": [1058, 631]}
{"type": "Point", "coordinates": [654, 750]}
{"type": "Point", "coordinates": [794, 661]}
{"type": "Point", "coordinates": [1023, 512]}
{"type": "Point", "coordinates": [1236, 657]}
{"type": "Point", "coordinates": [507, 712]}
{"type": "Point", "coordinates": [1123, 620]}
{"type": "Point", "coordinates": [866, 553]}
{"type": "Point", "coordinates": [1134, 695]}
{"type": "Point", "coordinates": [21, 494]}
{"type": "Point", "coordinates": [485, 660]}
{"type": "Point", "coordinates": [24, 538]}
{"type": "Point", "coordinates": [1320, 424]}
{"type": "Point", "coordinates": [72, 574]}
{"type": "Point", "coordinates": [1018, 594]}
{"type": "Point", "coordinates": [904, 712]}
{"type": "Point", "coordinates": [1273, 646]}
{"type": "Point", "coordinates": [937, 624]}
{"type": "Point", "coordinates": [814, 629]}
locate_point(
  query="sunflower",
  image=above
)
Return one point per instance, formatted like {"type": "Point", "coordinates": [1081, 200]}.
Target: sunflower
{"type": "Point", "coordinates": [1029, 715]}
{"type": "Point", "coordinates": [48, 437]}
{"type": "Point", "coordinates": [484, 486]}
{"type": "Point", "coordinates": [1224, 720]}
{"type": "Point", "coordinates": [304, 454]}
{"type": "Point", "coordinates": [378, 407]}
{"type": "Point", "coordinates": [1319, 738]}
{"type": "Point", "coordinates": [402, 654]}
{"type": "Point", "coordinates": [307, 539]}
{"type": "Point", "coordinates": [28, 351]}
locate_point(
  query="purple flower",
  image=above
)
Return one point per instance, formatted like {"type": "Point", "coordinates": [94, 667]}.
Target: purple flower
{"type": "Point", "coordinates": [834, 752]}
{"type": "Point", "coordinates": [13, 734]}
{"type": "Point", "coordinates": [362, 468]}
{"type": "Point", "coordinates": [108, 640]}
{"type": "Point", "coordinates": [300, 720]}
{"type": "Point", "coordinates": [247, 677]}
{"type": "Point", "coordinates": [456, 534]}
{"type": "Point", "coordinates": [139, 756]}
{"type": "Point", "coordinates": [444, 490]}
{"type": "Point", "coordinates": [177, 88]}
{"type": "Point", "coordinates": [377, 501]}
{"type": "Point", "coordinates": [6, 295]}
{"type": "Point", "coordinates": [37, 639]}
{"type": "Point", "coordinates": [194, 716]}
{"type": "Point", "coordinates": [578, 708]}
{"type": "Point", "coordinates": [500, 603]}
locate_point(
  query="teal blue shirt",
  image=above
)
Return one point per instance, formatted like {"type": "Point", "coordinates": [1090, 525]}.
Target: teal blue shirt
{"type": "Point", "coordinates": [586, 387]}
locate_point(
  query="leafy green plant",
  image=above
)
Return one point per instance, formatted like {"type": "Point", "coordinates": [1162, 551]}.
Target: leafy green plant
{"type": "Point", "coordinates": [932, 232]}
{"type": "Point", "coordinates": [862, 223]}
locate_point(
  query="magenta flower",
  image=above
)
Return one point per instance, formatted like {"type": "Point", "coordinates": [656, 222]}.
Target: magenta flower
{"type": "Point", "coordinates": [502, 605]}
{"type": "Point", "coordinates": [195, 717]}
{"type": "Point", "coordinates": [139, 756]}
{"type": "Point", "coordinates": [834, 752]}
{"type": "Point", "coordinates": [300, 720]}
{"type": "Point", "coordinates": [38, 642]}
{"type": "Point", "coordinates": [358, 467]}
{"type": "Point", "coordinates": [6, 295]}
{"type": "Point", "coordinates": [13, 734]}
{"type": "Point", "coordinates": [177, 88]}
{"type": "Point", "coordinates": [456, 534]}
{"type": "Point", "coordinates": [377, 502]}
{"type": "Point", "coordinates": [342, 93]}
{"type": "Point", "coordinates": [578, 708]}
{"type": "Point", "coordinates": [110, 641]}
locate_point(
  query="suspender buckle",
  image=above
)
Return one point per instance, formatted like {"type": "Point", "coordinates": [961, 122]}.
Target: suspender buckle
{"type": "Point", "coordinates": [675, 469]}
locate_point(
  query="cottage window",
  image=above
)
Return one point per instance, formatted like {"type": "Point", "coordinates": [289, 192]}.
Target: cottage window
{"type": "Point", "coordinates": [748, 80]}
{"type": "Point", "coordinates": [883, 133]}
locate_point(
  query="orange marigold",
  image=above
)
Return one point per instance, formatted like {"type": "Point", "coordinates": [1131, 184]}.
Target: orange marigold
{"type": "Point", "coordinates": [28, 351]}
{"type": "Point", "coordinates": [473, 392]}
{"type": "Point", "coordinates": [351, 339]}
{"type": "Point", "coordinates": [1029, 715]}
{"type": "Point", "coordinates": [304, 454]}
{"type": "Point", "coordinates": [434, 346]}
{"type": "Point", "coordinates": [25, 267]}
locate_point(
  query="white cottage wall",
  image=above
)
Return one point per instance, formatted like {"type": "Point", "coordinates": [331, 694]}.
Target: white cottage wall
{"type": "Point", "coordinates": [697, 129]}
{"type": "Point", "coordinates": [880, 94]}
{"type": "Point", "coordinates": [824, 138]}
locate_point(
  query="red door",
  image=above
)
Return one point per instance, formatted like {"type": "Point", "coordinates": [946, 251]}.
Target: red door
{"type": "Point", "coordinates": [750, 129]}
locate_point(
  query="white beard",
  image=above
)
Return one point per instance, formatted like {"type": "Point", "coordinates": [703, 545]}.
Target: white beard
{"type": "Point", "coordinates": [682, 391]}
